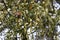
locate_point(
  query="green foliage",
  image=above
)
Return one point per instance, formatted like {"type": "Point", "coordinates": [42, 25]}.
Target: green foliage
{"type": "Point", "coordinates": [19, 16]}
